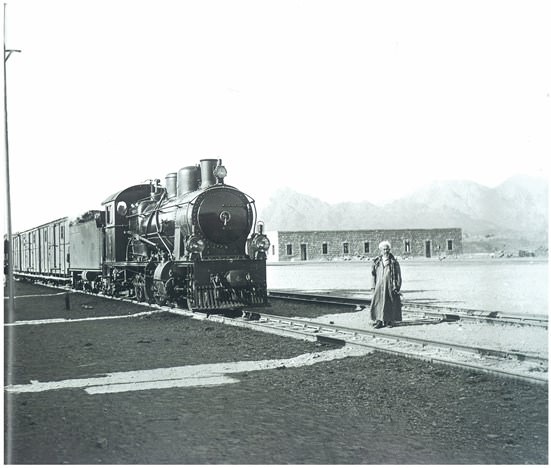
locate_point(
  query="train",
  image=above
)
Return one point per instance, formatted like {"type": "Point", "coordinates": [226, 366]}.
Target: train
{"type": "Point", "coordinates": [194, 242]}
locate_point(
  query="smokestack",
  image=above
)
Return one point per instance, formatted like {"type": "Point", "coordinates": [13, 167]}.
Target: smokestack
{"type": "Point", "coordinates": [207, 169]}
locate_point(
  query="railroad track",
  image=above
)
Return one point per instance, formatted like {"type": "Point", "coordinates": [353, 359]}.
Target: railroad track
{"type": "Point", "coordinates": [525, 366]}
{"type": "Point", "coordinates": [415, 308]}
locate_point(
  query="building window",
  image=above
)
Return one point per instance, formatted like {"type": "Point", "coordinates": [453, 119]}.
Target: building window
{"type": "Point", "coordinates": [324, 248]}
{"type": "Point", "coordinates": [407, 246]}
{"type": "Point", "coordinates": [366, 247]}
{"type": "Point", "coordinates": [345, 248]}
{"type": "Point", "coordinates": [62, 232]}
{"type": "Point", "coordinates": [450, 244]}
{"type": "Point", "coordinates": [273, 249]}
{"type": "Point", "coordinates": [289, 249]}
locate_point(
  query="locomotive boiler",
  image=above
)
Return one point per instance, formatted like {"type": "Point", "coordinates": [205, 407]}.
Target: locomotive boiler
{"type": "Point", "coordinates": [194, 242]}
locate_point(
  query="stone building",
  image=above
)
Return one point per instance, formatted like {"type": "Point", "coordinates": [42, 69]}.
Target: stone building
{"type": "Point", "coordinates": [335, 245]}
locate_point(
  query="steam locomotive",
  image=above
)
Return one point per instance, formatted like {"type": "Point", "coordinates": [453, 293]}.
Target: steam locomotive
{"type": "Point", "coordinates": [195, 243]}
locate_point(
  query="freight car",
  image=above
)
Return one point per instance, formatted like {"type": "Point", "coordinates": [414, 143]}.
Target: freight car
{"type": "Point", "coordinates": [194, 242]}
{"type": "Point", "coordinates": [43, 252]}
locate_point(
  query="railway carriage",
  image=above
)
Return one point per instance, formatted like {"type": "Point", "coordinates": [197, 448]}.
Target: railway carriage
{"type": "Point", "coordinates": [43, 251]}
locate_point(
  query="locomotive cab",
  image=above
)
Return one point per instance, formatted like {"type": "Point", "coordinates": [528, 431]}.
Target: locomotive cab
{"type": "Point", "coordinates": [116, 221]}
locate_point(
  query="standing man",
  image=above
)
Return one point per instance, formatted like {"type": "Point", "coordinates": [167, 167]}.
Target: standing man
{"type": "Point", "coordinates": [386, 305]}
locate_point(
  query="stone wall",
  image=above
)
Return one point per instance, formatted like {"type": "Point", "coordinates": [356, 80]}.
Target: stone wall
{"type": "Point", "coordinates": [330, 245]}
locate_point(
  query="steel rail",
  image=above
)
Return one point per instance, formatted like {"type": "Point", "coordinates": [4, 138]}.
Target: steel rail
{"type": "Point", "coordinates": [420, 341]}
{"type": "Point", "coordinates": [444, 312]}
{"type": "Point", "coordinates": [313, 331]}
{"type": "Point", "coordinates": [386, 341]}
{"type": "Point", "coordinates": [319, 298]}
{"type": "Point", "coordinates": [477, 313]}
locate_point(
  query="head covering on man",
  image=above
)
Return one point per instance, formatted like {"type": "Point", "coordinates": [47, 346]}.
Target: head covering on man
{"type": "Point", "coordinates": [385, 243]}
{"type": "Point", "coordinates": [385, 252]}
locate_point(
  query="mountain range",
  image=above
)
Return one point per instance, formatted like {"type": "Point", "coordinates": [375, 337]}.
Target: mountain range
{"type": "Point", "coordinates": [513, 215]}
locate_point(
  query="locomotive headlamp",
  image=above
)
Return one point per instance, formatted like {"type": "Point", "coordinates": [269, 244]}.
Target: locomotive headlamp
{"type": "Point", "coordinates": [195, 244]}
{"type": "Point", "coordinates": [261, 243]}
{"type": "Point", "coordinates": [220, 172]}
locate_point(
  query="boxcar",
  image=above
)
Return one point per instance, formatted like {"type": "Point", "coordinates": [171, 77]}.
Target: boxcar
{"type": "Point", "coordinates": [43, 251]}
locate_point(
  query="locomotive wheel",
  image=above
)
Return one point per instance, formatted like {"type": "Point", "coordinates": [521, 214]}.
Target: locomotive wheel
{"type": "Point", "coordinates": [139, 288]}
{"type": "Point", "coordinates": [159, 293]}
{"type": "Point", "coordinates": [139, 291]}
{"type": "Point", "coordinates": [148, 290]}
{"type": "Point", "coordinates": [182, 303]}
{"type": "Point", "coordinates": [148, 282]}
{"type": "Point", "coordinates": [163, 283]}
{"type": "Point", "coordinates": [107, 289]}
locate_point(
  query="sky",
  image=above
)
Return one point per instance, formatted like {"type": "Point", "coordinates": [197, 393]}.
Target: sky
{"type": "Point", "coordinates": [338, 99]}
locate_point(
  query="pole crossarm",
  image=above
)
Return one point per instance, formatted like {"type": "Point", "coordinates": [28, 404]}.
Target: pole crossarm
{"type": "Point", "coordinates": [8, 52]}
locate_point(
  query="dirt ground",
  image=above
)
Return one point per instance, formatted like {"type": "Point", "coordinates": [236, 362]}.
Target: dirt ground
{"type": "Point", "coordinates": [375, 409]}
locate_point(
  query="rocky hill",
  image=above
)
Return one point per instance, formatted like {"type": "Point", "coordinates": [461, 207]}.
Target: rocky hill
{"type": "Point", "coordinates": [512, 216]}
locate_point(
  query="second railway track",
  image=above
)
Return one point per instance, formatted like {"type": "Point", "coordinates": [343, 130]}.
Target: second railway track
{"type": "Point", "coordinates": [428, 310]}
{"type": "Point", "coordinates": [522, 366]}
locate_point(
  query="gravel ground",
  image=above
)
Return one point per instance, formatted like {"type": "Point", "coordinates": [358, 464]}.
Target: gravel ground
{"type": "Point", "coordinates": [371, 409]}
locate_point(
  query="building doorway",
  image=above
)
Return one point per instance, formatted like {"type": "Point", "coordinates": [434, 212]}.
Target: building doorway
{"type": "Point", "coordinates": [427, 249]}
{"type": "Point", "coordinates": [303, 252]}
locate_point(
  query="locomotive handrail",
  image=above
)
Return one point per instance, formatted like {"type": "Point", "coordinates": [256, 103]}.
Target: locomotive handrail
{"type": "Point", "coordinates": [158, 232]}
{"type": "Point", "coordinates": [141, 238]}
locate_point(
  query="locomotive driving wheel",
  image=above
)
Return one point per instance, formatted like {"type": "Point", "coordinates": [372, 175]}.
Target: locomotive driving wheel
{"type": "Point", "coordinates": [162, 291]}
{"type": "Point", "coordinates": [148, 282]}
{"type": "Point", "coordinates": [139, 288]}
{"type": "Point", "coordinates": [162, 287]}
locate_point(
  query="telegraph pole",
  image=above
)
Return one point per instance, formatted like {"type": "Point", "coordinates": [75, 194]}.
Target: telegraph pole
{"type": "Point", "coordinates": [9, 244]}
{"type": "Point", "coordinates": [8, 358]}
